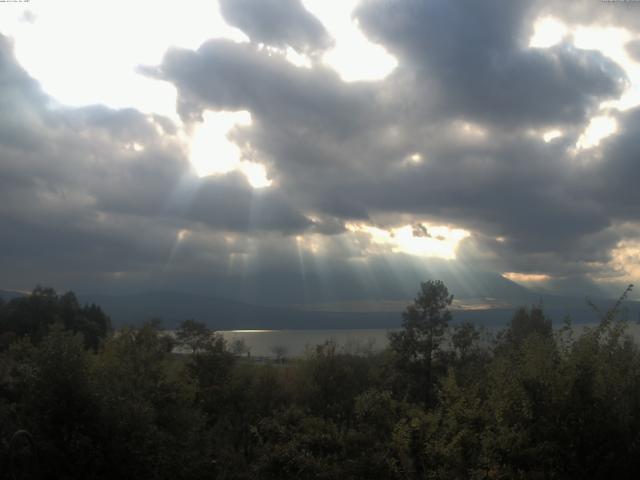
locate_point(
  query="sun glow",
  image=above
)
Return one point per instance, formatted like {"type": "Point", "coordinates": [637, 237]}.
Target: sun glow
{"type": "Point", "coordinates": [213, 153]}
{"type": "Point", "coordinates": [420, 239]}
{"type": "Point", "coordinates": [547, 32]}
{"type": "Point", "coordinates": [551, 135]}
{"type": "Point", "coordinates": [415, 158]}
{"type": "Point", "coordinates": [256, 174]}
{"type": "Point", "coordinates": [598, 129]}
{"type": "Point", "coordinates": [354, 57]}
{"type": "Point", "coordinates": [98, 47]}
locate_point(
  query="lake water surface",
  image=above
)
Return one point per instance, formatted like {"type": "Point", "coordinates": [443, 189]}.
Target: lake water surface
{"type": "Point", "coordinates": [296, 342]}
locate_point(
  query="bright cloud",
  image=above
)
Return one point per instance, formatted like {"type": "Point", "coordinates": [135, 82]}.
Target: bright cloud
{"type": "Point", "coordinates": [422, 239]}
{"type": "Point", "coordinates": [551, 135]}
{"type": "Point", "coordinates": [213, 153]}
{"type": "Point", "coordinates": [353, 155]}
{"type": "Point", "coordinates": [598, 129]}
{"type": "Point", "coordinates": [526, 277]}
{"type": "Point", "coordinates": [547, 31]}
{"type": "Point", "coordinates": [354, 57]}
{"type": "Point", "coordinates": [88, 52]}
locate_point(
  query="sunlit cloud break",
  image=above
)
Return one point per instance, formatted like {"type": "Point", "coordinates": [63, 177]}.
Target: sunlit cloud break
{"type": "Point", "coordinates": [420, 239]}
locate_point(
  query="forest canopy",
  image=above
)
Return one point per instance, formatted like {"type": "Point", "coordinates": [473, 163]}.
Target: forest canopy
{"type": "Point", "coordinates": [444, 400]}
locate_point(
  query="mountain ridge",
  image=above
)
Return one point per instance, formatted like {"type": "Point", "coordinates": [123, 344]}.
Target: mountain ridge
{"type": "Point", "coordinates": [171, 307]}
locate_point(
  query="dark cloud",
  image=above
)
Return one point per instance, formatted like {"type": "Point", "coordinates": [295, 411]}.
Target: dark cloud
{"type": "Point", "coordinates": [613, 169]}
{"type": "Point", "coordinates": [453, 136]}
{"type": "Point", "coordinates": [341, 149]}
{"type": "Point", "coordinates": [278, 23]}
{"type": "Point", "coordinates": [226, 75]}
{"type": "Point", "coordinates": [472, 58]}
{"type": "Point", "coordinates": [229, 202]}
{"type": "Point", "coordinates": [419, 230]}
{"type": "Point", "coordinates": [92, 192]}
{"type": "Point", "coordinates": [98, 160]}
{"type": "Point", "coordinates": [305, 122]}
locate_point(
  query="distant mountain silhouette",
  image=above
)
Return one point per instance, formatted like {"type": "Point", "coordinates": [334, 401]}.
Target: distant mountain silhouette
{"type": "Point", "coordinates": [173, 307]}
{"type": "Point", "coordinates": [10, 294]}
{"type": "Point", "coordinates": [379, 282]}
{"type": "Point", "coordinates": [220, 314]}
{"type": "Point", "coordinates": [484, 298]}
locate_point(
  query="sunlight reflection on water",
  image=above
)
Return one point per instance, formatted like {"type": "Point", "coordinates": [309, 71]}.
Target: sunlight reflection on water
{"type": "Point", "coordinates": [358, 341]}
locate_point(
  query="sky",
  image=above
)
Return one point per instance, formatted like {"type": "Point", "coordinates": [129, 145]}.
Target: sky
{"type": "Point", "coordinates": [309, 151]}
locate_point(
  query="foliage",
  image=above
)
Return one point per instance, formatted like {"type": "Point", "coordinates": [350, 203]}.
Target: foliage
{"type": "Point", "coordinates": [33, 315]}
{"type": "Point", "coordinates": [536, 403]}
{"type": "Point", "coordinates": [417, 345]}
{"type": "Point", "coordinates": [193, 336]}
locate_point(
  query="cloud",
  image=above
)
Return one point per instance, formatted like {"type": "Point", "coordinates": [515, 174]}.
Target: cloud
{"type": "Point", "coordinates": [633, 47]}
{"type": "Point", "coordinates": [419, 230]}
{"type": "Point", "coordinates": [222, 75]}
{"type": "Point", "coordinates": [86, 192]}
{"type": "Point", "coordinates": [620, 14]}
{"type": "Point", "coordinates": [454, 136]}
{"type": "Point", "coordinates": [613, 169]}
{"type": "Point", "coordinates": [466, 96]}
{"type": "Point", "coordinates": [278, 23]}
{"type": "Point", "coordinates": [472, 59]}
{"type": "Point", "coordinates": [229, 202]}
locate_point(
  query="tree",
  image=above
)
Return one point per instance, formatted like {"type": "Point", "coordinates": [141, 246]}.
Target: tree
{"type": "Point", "coordinates": [60, 405]}
{"type": "Point", "coordinates": [239, 347]}
{"type": "Point", "coordinates": [193, 335]}
{"type": "Point", "coordinates": [331, 380]}
{"type": "Point", "coordinates": [280, 352]}
{"type": "Point", "coordinates": [148, 426]}
{"type": "Point", "coordinates": [33, 315]}
{"type": "Point", "coordinates": [211, 366]}
{"type": "Point", "coordinates": [525, 323]}
{"type": "Point", "coordinates": [469, 352]}
{"type": "Point", "coordinates": [416, 345]}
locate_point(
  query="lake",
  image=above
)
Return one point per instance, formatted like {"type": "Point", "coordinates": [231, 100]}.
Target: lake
{"type": "Point", "coordinates": [296, 342]}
